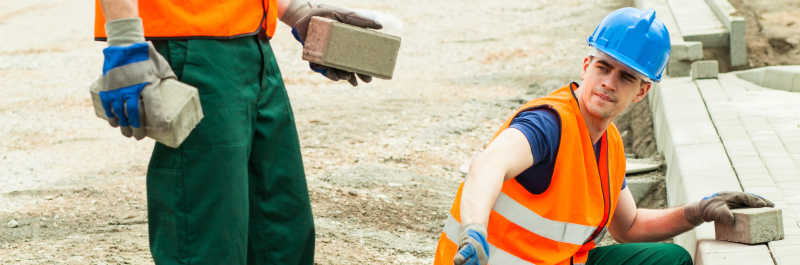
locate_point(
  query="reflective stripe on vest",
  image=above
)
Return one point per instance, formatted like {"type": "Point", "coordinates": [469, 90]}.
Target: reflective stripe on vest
{"type": "Point", "coordinates": [575, 234]}
{"type": "Point", "coordinates": [496, 255]}
{"type": "Point", "coordinates": [563, 224]}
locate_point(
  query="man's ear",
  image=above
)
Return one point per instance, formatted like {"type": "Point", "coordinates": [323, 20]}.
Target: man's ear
{"type": "Point", "coordinates": [643, 89]}
{"type": "Point", "coordinates": [586, 61]}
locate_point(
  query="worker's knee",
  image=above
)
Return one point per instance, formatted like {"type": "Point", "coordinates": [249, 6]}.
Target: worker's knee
{"type": "Point", "coordinates": [677, 254]}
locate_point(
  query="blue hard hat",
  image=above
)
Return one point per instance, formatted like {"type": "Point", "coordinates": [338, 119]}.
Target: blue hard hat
{"type": "Point", "coordinates": [635, 38]}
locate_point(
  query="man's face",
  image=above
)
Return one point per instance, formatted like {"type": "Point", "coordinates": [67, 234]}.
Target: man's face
{"type": "Point", "coordinates": [609, 86]}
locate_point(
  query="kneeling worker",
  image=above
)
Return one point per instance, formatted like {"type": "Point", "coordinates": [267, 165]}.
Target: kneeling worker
{"type": "Point", "coordinates": [553, 178]}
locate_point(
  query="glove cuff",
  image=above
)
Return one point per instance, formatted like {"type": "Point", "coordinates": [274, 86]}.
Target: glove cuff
{"type": "Point", "coordinates": [692, 213]}
{"type": "Point", "coordinates": [477, 227]}
{"type": "Point", "coordinates": [295, 11]}
{"type": "Point", "coordinates": [124, 31]}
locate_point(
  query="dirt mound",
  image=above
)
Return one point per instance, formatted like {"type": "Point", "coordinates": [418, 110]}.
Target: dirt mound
{"type": "Point", "coordinates": [773, 31]}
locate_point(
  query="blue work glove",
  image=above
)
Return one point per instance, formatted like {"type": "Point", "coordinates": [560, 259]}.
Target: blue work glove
{"type": "Point", "coordinates": [473, 248]}
{"type": "Point", "coordinates": [717, 207]}
{"type": "Point", "coordinates": [132, 73]}
{"type": "Point", "coordinates": [299, 14]}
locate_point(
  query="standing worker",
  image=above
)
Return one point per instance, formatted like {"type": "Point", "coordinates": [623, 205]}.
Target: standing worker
{"type": "Point", "coordinates": [234, 192]}
{"type": "Point", "coordinates": [553, 177]}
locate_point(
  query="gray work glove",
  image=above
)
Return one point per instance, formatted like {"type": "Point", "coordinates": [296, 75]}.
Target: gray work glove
{"type": "Point", "coordinates": [473, 248]}
{"type": "Point", "coordinates": [717, 207]}
{"type": "Point", "coordinates": [132, 73]}
{"type": "Point", "coordinates": [299, 14]}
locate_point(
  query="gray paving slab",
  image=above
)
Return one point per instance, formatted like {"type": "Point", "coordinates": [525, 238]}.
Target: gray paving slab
{"type": "Point", "coordinates": [735, 24]}
{"type": "Point", "coordinates": [697, 22]}
{"type": "Point", "coordinates": [351, 48]}
{"type": "Point", "coordinates": [704, 69]}
{"type": "Point", "coordinates": [752, 226]}
{"type": "Point", "coordinates": [686, 50]}
{"type": "Point", "coordinates": [711, 252]}
{"type": "Point", "coordinates": [679, 68]}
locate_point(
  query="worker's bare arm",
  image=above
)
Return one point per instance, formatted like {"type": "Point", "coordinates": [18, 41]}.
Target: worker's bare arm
{"type": "Point", "coordinates": [116, 9]}
{"type": "Point", "coordinates": [283, 5]}
{"type": "Point", "coordinates": [645, 225]}
{"type": "Point", "coordinates": [506, 157]}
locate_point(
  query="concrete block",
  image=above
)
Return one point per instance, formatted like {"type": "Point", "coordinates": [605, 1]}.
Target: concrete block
{"type": "Point", "coordinates": [697, 22]}
{"type": "Point", "coordinates": [738, 45]}
{"type": "Point", "coordinates": [796, 83]}
{"type": "Point", "coordinates": [752, 226]}
{"type": "Point", "coordinates": [678, 68]}
{"type": "Point", "coordinates": [640, 187]}
{"type": "Point", "coordinates": [736, 29]}
{"type": "Point", "coordinates": [785, 255]}
{"type": "Point", "coordinates": [711, 252]}
{"type": "Point", "coordinates": [687, 50]}
{"type": "Point", "coordinates": [180, 111]}
{"type": "Point", "coordinates": [351, 48]}
{"type": "Point", "coordinates": [705, 69]}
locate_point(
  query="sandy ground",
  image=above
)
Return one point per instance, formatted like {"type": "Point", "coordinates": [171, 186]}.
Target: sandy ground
{"type": "Point", "coordinates": [382, 159]}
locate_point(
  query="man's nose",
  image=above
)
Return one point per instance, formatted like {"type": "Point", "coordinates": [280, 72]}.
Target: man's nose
{"type": "Point", "coordinates": [609, 82]}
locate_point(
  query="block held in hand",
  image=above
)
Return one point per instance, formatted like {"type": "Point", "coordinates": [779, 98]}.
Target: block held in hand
{"type": "Point", "coordinates": [350, 48]}
{"type": "Point", "coordinates": [752, 226]}
{"type": "Point", "coordinates": [177, 114]}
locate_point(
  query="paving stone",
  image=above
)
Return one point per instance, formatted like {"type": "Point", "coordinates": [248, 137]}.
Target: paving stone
{"type": "Point", "coordinates": [720, 252]}
{"type": "Point", "coordinates": [180, 104]}
{"type": "Point", "coordinates": [785, 255]}
{"type": "Point", "coordinates": [796, 84]}
{"type": "Point", "coordinates": [687, 50]}
{"type": "Point", "coordinates": [736, 30]}
{"type": "Point", "coordinates": [697, 22]}
{"type": "Point", "coordinates": [752, 226]}
{"type": "Point", "coordinates": [640, 186]}
{"type": "Point", "coordinates": [679, 68]}
{"type": "Point", "coordinates": [351, 48]}
{"type": "Point", "coordinates": [704, 69]}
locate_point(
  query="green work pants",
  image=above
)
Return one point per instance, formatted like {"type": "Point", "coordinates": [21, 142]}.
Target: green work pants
{"type": "Point", "coordinates": [640, 254]}
{"type": "Point", "coordinates": [234, 192]}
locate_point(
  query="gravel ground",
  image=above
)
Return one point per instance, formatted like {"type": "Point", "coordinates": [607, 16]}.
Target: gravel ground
{"type": "Point", "coordinates": [382, 159]}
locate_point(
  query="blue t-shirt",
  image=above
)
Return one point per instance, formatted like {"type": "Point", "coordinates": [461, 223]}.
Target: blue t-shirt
{"type": "Point", "coordinates": [542, 127]}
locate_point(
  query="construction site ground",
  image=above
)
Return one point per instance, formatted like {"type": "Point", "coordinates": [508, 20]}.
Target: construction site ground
{"type": "Point", "coordinates": [382, 159]}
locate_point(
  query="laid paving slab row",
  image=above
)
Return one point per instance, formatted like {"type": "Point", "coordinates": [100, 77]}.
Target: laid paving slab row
{"type": "Point", "coordinates": [697, 22]}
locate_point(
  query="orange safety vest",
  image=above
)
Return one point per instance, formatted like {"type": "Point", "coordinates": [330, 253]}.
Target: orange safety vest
{"type": "Point", "coordinates": [560, 225]}
{"type": "Point", "coordinates": [200, 19]}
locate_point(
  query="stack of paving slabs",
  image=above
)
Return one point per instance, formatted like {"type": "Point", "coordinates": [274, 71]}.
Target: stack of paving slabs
{"type": "Point", "coordinates": [752, 226]}
{"type": "Point", "coordinates": [176, 115]}
{"type": "Point", "coordinates": [350, 48]}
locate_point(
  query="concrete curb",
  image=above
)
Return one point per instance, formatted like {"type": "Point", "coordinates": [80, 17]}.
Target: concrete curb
{"type": "Point", "coordinates": [736, 30]}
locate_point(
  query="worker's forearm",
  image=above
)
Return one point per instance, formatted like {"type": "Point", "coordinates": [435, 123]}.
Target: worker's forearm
{"type": "Point", "coordinates": [657, 224]}
{"type": "Point", "coordinates": [290, 11]}
{"type": "Point", "coordinates": [479, 194]}
{"type": "Point", "coordinates": [116, 9]}
{"type": "Point", "coordinates": [283, 5]}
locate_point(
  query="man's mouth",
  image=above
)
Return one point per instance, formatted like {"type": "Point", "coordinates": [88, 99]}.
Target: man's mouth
{"type": "Point", "coordinates": [605, 97]}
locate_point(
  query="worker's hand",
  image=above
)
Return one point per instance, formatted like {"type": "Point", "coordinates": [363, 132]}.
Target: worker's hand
{"type": "Point", "coordinates": [299, 14]}
{"type": "Point", "coordinates": [473, 248]}
{"type": "Point", "coordinates": [131, 70]}
{"type": "Point", "coordinates": [717, 207]}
